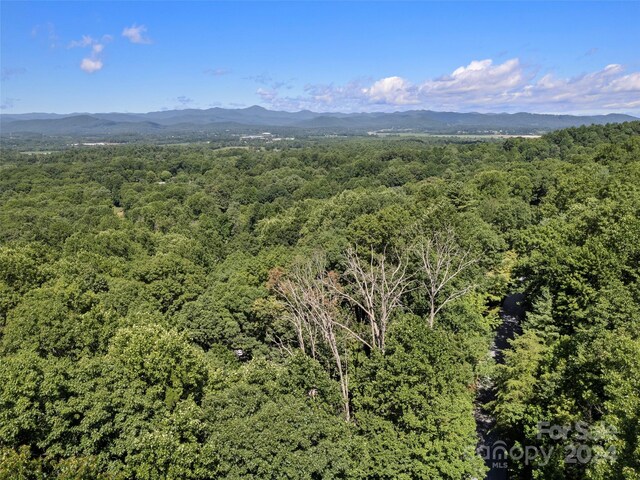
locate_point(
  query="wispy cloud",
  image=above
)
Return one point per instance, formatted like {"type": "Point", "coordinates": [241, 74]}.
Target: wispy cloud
{"type": "Point", "coordinates": [267, 94]}
{"type": "Point", "coordinates": [48, 30]}
{"type": "Point", "coordinates": [8, 73]}
{"type": "Point", "coordinates": [267, 80]}
{"type": "Point", "coordinates": [136, 34]}
{"type": "Point", "coordinates": [607, 89]}
{"type": "Point", "coordinates": [217, 72]}
{"type": "Point", "coordinates": [9, 103]}
{"type": "Point", "coordinates": [480, 85]}
{"type": "Point", "coordinates": [85, 41]}
{"type": "Point", "coordinates": [93, 62]}
{"type": "Point", "coordinates": [184, 101]}
{"type": "Point", "coordinates": [263, 78]}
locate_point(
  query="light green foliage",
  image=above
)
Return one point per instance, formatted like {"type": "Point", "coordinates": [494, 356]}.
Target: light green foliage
{"type": "Point", "coordinates": [21, 270]}
{"type": "Point", "coordinates": [18, 465]}
{"type": "Point", "coordinates": [515, 405]}
{"type": "Point", "coordinates": [416, 400]}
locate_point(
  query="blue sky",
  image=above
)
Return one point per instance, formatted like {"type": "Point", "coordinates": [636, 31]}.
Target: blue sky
{"type": "Point", "coordinates": [576, 57]}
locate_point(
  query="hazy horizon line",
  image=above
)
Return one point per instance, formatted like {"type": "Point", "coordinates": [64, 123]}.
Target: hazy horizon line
{"type": "Point", "coordinates": [331, 112]}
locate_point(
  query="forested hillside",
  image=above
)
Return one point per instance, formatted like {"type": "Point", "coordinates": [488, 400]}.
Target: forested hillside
{"type": "Point", "coordinates": [319, 312]}
{"type": "Point", "coordinates": [178, 122]}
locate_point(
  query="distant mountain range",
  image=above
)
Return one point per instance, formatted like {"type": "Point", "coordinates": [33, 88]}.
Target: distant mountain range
{"type": "Point", "coordinates": [257, 118]}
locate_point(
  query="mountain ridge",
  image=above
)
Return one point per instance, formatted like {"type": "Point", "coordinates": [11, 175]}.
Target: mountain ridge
{"type": "Point", "coordinates": [254, 117]}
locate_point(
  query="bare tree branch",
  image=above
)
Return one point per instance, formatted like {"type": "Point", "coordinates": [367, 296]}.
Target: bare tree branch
{"type": "Point", "coordinates": [442, 260]}
{"type": "Point", "coordinates": [376, 287]}
{"type": "Point", "coordinates": [314, 310]}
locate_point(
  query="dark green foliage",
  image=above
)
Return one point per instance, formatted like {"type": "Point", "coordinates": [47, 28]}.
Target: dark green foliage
{"type": "Point", "coordinates": [577, 359]}
{"type": "Point", "coordinates": [140, 335]}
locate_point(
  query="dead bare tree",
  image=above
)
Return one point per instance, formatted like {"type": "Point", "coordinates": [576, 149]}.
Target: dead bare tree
{"type": "Point", "coordinates": [442, 261]}
{"type": "Point", "coordinates": [295, 289]}
{"type": "Point", "coordinates": [376, 286]}
{"type": "Point", "coordinates": [314, 312]}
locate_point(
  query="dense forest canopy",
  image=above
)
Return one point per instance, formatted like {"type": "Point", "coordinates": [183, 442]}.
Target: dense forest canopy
{"type": "Point", "coordinates": [322, 309]}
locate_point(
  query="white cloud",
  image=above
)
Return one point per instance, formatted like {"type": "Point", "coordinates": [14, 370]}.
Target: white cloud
{"type": "Point", "coordinates": [267, 95]}
{"type": "Point", "coordinates": [136, 34]}
{"type": "Point", "coordinates": [604, 89]}
{"type": "Point", "coordinates": [91, 65]}
{"type": "Point", "coordinates": [392, 91]}
{"type": "Point", "coordinates": [626, 83]}
{"type": "Point", "coordinates": [479, 76]}
{"type": "Point", "coordinates": [480, 85]}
